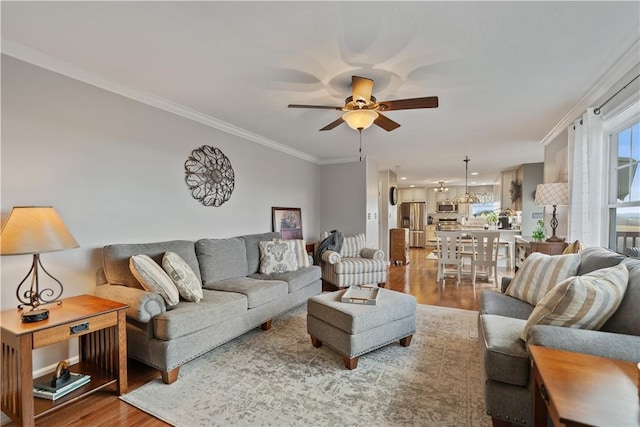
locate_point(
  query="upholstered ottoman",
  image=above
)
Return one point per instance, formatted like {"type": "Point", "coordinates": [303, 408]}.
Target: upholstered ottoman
{"type": "Point", "coordinates": [355, 329]}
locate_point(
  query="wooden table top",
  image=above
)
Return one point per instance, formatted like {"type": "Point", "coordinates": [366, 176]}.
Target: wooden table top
{"type": "Point", "coordinates": [72, 308]}
{"type": "Point", "coordinates": [588, 389]}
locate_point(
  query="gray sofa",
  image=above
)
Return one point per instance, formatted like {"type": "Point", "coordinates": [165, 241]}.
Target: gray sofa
{"type": "Point", "coordinates": [505, 364]}
{"type": "Point", "coordinates": [237, 298]}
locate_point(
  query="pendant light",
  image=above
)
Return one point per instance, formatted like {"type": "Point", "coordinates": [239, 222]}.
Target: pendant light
{"type": "Point", "coordinates": [467, 197]}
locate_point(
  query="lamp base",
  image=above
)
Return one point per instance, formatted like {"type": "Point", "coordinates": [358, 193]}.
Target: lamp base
{"type": "Point", "coordinates": [555, 239]}
{"type": "Point", "coordinates": [35, 315]}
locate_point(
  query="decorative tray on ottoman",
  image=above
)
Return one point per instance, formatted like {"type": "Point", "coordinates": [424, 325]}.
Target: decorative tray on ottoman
{"type": "Point", "coordinates": [367, 295]}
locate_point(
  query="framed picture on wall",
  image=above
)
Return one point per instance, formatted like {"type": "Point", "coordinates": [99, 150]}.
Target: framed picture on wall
{"type": "Point", "coordinates": [287, 221]}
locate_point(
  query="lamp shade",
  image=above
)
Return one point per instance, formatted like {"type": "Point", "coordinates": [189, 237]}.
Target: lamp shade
{"type": "Point", "coordinates": [360, 119]}
{"type": "Point", "coordinates": [553, 194]}
{"type": "Point", "coordinates": [34, 230]}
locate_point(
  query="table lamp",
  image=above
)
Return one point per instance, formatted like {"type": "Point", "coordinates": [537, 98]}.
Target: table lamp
{"type": "Point", "coordinates": [553, 194]}
{"type": "Point", "coordinates": [35, 230]}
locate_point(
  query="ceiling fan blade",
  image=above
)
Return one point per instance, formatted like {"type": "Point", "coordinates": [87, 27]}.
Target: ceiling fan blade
{"type": "Point", "coordinates": [333, 124]}
{"type": "Point", "coordinates": [409, 104]}
{"type": "Point", "coordinates": [362, 88]}
{"type": "Point", "coordinates": [317, 107]}
{"type": "Point", "coordinates": [386, 123]}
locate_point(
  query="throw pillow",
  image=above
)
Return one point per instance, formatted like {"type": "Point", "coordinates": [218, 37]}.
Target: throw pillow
{"type": "Point", "coordinates": [539, 273]}
{"type": "Point", "coordinates": [581, 302]}
{"type": "Point", "coordinates": [183, 277]}
{"type": "Point", "coordinates": [352, 245]}
{"type": "Point", "coordinates": [300, 249]}
{"type": "Point", "coordinates": [277, 256]}
{"type": "Point", "coordinates": [153, 278]}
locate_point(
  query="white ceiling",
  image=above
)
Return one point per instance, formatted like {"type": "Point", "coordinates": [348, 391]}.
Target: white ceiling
{"type": "Point", "coordinates": [506, 73]}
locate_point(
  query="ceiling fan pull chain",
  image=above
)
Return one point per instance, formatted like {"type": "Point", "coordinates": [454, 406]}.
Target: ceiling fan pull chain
{"type": "Point", "coordinates": [360, 150]}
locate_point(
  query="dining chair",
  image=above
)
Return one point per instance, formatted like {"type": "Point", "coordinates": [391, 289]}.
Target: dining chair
{"type": "Point", "coordinates": [485, 254]}
{"type": "Point", "coordinates": [448, 246]}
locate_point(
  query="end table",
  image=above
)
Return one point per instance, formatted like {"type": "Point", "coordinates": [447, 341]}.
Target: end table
{"type": "Point", "coordinates": [99, 324]}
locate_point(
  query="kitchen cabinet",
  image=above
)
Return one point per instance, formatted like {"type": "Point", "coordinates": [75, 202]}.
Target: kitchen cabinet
{"type": "Point", "coordinates": [430, 235]}
{"type": "Point", "coordinates": [416, 194]}
{"type": "Point", "coordinates": [399, 245]}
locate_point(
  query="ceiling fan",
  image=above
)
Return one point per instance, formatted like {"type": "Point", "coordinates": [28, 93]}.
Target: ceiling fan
{"type": "Point", "coordinates": [362, 109]}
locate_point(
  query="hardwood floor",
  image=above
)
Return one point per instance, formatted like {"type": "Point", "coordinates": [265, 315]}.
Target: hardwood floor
{"type": "Point", "coordinates": [418, 278]}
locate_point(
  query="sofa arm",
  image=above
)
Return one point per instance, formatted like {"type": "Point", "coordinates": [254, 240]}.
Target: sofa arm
{"type": "Point", "coordinates": [143, 305]}
{"type": "Point", "coordinates": [372, 253]}
{"type": "Point", "coordinates": [596, 343]}
{"type": "Point", "coordinates": [505, 283]}
{"type": "Point", "coordinates": [331, 257]}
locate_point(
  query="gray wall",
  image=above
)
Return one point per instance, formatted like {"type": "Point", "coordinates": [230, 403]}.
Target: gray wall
{"type": "Point", "coordinates": [113, 168]}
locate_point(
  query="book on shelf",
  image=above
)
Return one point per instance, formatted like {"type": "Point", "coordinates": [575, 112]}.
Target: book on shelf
{"type": "Point", "coordinates": [46, 391]}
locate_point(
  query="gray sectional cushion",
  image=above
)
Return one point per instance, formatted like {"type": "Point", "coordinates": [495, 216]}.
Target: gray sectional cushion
{"type": "Point", "coordinates": [357, 318]}
{"type": "Point", "coordinates": [258, 292]}
{"type": "Point", "coordinates": [189, 317]}
{"type": "Point", "coordinates": [626, 319]}
{"type": "Point", "coordinates": [492, 302]}
{"type": "Point", "coordinates": [115, 259]}
{"type": "Point", "coordinates": [253, 251]}
{"type": "Point", "coordinates": [221, 259]}
{"type": "Point", "coordinates": [295, 279]}
{"type": "Point", "coordinates": [504, 355]}
{"type": "Point", "coordinates": [596, 258]}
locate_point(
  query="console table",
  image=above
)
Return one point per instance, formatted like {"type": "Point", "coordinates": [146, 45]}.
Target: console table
{"type": "Point", "coordinates": [99, 324]}
{"type": "Point", "coordinates": [577, 389]}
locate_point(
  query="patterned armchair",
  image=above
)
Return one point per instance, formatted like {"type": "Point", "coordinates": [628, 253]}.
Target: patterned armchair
{"type": "Point", "coordinates": [354, 265]}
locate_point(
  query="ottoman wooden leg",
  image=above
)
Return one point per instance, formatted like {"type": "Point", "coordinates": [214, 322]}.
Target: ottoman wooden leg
{"type": "Point", "coordinates": [315, 341]}
{"type": "Point", "coordinates": [406, 341]}
{"type": "Point", "coordinates": [350, 363]}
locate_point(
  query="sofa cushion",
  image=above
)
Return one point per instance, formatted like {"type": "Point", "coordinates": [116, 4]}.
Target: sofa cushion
{"type": "Point", "coordinates": [253, 251]}
{"type": "Point", "coordinates": [258, 292]}
{"type": "Point", "coordinates": [352, 245]}
{"type": "Point", "coordinates": [187, 317]}
{"type": "Point", "coordinates": [596, 258]}
{"type": "Point", "coordinates": [360, 265]}
{"type": "Point", "coordinates": [296, 280]}
{"type": "Point", "coordinates": [115, 259]}
{"type": "Point", "coordinates": [277, 256]}
{"type": "Point", "coordinates": [626, 319]}
{"type": "Point", "coordinates": [183, 277]}
{"type": "Point", "coordinates": [492, 302]}
{"type": "Point", "coordinates": [154, 279]}
{"type": "Point", "coordinates": [581, 302]}
{"type": "Point", "coordinates": [539, 273]}
{"type": "Point", "coordinates": [221, 259]}
{"type": "Point", "coordinates": [504, 355]}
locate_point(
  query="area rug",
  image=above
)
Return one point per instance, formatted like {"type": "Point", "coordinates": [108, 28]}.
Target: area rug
{"type": "Point", "coordinates": [432, 255]}
{"type": "Point", "coordinates": [278, 378]}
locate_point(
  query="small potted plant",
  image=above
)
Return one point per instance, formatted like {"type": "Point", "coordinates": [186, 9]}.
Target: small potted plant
{"type": "Point", "coordinates": [491, 218]}
{"type": "Point", "coordinates": [538, 234]}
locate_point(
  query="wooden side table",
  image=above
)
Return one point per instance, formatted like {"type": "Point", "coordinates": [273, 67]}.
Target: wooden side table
{"type": "Point", "coordinates": [99, 324]}
{"type": "Point", "coordinates": [578, 389]}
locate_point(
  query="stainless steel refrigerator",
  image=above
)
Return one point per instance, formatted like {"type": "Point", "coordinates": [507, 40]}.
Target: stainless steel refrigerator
{"type": "Point", "coordinates": [412, 217]}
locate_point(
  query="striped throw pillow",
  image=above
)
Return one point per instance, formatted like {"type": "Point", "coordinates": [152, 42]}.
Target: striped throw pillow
{"type": "Point", "coordinates": [352, 245]}
{"type": "Point", "coordinates": [300, 249]}
{"type": "Point", "coordinates": [540, 273]}
{"type": "Point", "coordinates": [581, 302]}
{"type": "Point", "coordinates": [153, 278]}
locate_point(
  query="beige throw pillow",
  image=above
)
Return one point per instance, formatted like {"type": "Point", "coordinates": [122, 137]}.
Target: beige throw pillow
{"type": "Point", "coordinates": [183, 277]}
{"type": "Point", "coordinates": [540, 273]}
{"type": "Point", "coordinates": [277, 256]}
{"type": "Point", "coordinates": [300, 249]}
{"type": "Point", "coordinates": [153, 278]}
{"type": "Point", "coordinates": [581, 302]}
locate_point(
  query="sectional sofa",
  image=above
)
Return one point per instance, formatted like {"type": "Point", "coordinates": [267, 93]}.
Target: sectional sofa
{"type": "Point", "coordinates": [236, 297]}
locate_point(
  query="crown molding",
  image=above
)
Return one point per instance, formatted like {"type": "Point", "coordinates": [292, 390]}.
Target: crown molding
{"type": "Point", "coordinates": [60, 66]}
{"type": "Point", "coordinates": [628, 60]}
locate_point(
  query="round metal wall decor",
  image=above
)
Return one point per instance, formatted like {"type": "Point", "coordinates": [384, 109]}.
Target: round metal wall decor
{"type": "Point", "coordinates": [209, 176]}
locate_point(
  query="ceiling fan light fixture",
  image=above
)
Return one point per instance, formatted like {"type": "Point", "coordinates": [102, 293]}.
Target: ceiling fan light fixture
{"type": "Point", "coordinates": [442, 188]}
{"type": "Point", "coordinates": [360, 119]}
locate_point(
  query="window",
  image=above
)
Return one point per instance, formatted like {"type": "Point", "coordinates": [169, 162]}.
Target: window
{"type": "Point", "coordinates": [624, 188]}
